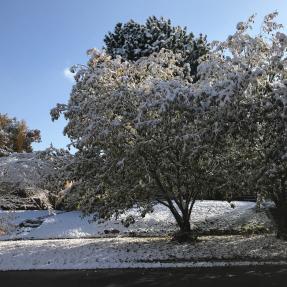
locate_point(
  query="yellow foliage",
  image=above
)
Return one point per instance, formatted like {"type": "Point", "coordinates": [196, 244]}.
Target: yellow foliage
{"type": "Point", "coordinates": [21, 137]}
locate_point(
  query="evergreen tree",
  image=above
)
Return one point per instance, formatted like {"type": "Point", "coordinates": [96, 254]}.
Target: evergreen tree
{"type": "Point", "coordinates": [132, 41]}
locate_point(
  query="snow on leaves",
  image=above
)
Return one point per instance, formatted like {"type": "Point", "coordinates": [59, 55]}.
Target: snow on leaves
{"type": "Point", "coordinates": [145, 132]}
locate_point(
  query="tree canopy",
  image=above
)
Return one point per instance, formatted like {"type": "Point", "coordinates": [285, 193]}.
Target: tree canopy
{"type": "Point", "coordinates": [145, 133]}
{"type": "Point", "coordinates": [143, 136]}
{"type": "Point", "coordinates": [15, 136]}
{"type": "Point", "coordinates": [132, 41]}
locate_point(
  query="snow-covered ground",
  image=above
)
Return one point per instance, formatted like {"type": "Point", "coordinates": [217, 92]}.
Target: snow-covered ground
{"type": "Point", "coordinates": [71, 241]}
{"type": "Point", "coordinates": [141, 252]}
{"type": "Point", "coordinates": [207, 217]}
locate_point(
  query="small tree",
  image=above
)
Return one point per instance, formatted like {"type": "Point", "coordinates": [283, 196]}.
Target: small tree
{"type": "Point", "coordinates": [132, 41]}
{"type": "Point", "coordinates": [15, 136]}
{"type": "Point", "coordinates": [144, 136]}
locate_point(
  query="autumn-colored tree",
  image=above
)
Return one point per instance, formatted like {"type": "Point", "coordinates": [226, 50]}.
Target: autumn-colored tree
{"type": "Point", "coordinates": [15, 136]}
{"type": "Point", "coordinates": [21, 136]}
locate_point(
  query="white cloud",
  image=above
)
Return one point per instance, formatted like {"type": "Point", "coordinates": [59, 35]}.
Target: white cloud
{"type": "Point", "coordinates": [68, 74]}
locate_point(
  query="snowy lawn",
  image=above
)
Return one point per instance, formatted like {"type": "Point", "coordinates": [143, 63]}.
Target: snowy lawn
{"type": "Point", "coordinates": [208, 217]}
{"type": "Point", "coordinates": [152, 247]}
{"type": "Point", "coordinates": [141, 252]}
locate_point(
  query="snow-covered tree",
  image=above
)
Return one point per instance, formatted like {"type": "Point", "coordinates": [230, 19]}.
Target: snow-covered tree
{"type": "Point", "coordinates": [144, 136]}
{"type": "Point", "coordinates": [248, 74]}
{"type": "Point", "coordinates": [146, 133]}
{"type": "Point", "coordinates": [15, 136]}
{"type": "Point", "coordinates": [132, 41]}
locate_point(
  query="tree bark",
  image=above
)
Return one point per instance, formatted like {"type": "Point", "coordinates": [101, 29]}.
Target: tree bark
{"type": "Point", "coordinates": [185, 225]}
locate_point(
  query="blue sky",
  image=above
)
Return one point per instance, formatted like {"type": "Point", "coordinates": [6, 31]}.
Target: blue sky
{"type": "Point", "coordinates": [39, 39]}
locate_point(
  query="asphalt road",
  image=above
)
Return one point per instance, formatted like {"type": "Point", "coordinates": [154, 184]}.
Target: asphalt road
{"type": "Point", "coordinates": [231, 277]}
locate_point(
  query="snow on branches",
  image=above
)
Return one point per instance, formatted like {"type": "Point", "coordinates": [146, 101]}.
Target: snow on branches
{"type": "Point", "coordinates": [142, 134]}
{"type": "Point", "coordinates": [250, 73]}
{"type": "Point", "coordinates": [132, 40]}
{"type": "Point", "coordinates": [146, 133]}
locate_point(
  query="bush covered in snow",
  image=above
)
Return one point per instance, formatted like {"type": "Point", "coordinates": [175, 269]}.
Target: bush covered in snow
{"type": "Point", "coordinates": [25, 178]}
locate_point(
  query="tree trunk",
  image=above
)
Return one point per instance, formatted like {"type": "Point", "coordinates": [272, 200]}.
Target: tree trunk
{"type": "Point", "coordinates": [185, 225]}
{"type": "Point", "coordinates": [185, 234]}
